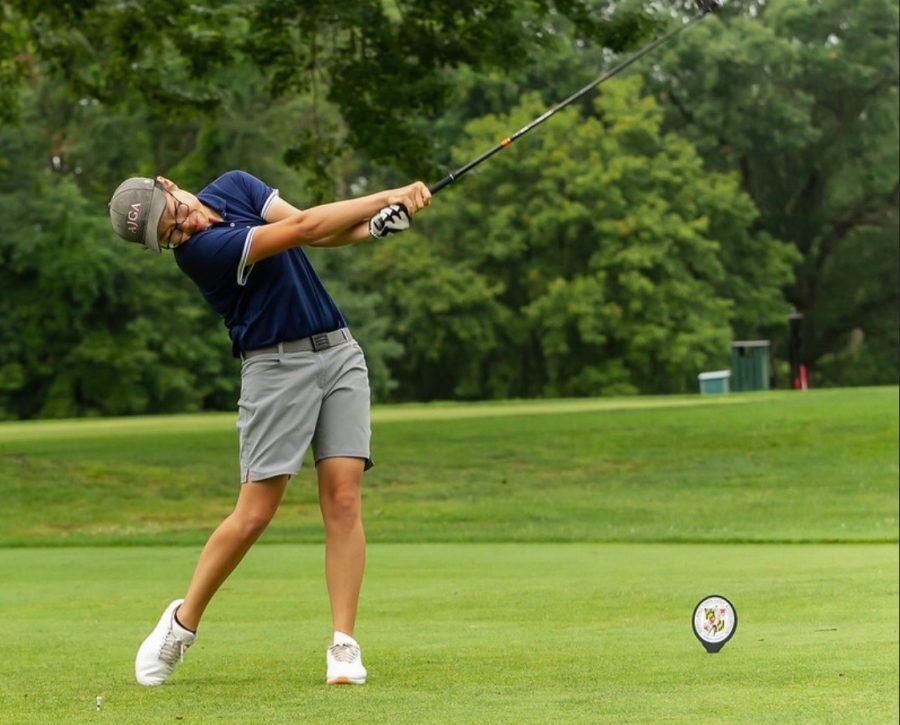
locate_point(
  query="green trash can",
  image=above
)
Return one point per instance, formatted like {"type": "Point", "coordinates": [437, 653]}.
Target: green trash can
{"type": "Point", "coordinates": [714, 382]}
{"type": "Point", "coordinates": [749, 365]}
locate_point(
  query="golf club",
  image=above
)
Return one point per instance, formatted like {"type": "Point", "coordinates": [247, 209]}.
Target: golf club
{"type": "Point", "coordinates": [394, 218]}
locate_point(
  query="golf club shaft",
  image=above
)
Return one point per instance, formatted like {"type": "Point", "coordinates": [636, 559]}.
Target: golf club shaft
{"type": "Point", "coordinates": [453, 176]}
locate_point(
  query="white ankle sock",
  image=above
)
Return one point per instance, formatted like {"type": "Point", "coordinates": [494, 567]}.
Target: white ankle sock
{"type": "Point", "coordinates": [343, 638]}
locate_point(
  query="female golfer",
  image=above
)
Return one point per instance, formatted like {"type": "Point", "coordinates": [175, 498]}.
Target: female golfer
{"type": "Point", "coordinates": [304, 379]}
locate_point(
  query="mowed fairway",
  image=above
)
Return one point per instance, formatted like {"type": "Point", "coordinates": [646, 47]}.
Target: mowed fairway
{"type": "Point", "coordinates": [531, 562]}
{"type": "Point", "coordinates": [464, 633]}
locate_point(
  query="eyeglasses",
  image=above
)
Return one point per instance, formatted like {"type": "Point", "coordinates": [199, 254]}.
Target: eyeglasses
{"type": "Point", "coordinates": [180, 215]}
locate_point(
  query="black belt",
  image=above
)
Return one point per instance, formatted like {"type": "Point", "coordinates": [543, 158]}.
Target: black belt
{"type": "Point", "coordinates": [315, 343]}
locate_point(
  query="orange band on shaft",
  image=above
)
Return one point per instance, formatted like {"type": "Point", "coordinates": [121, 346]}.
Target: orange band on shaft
{"type": "Point", "coordinates": [505, 142]}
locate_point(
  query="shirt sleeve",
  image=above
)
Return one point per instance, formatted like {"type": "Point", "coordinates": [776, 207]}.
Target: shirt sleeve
{"type": "Point", "coordinates": [258, 194]}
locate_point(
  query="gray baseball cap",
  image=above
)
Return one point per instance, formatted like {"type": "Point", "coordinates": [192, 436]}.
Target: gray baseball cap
{"type": "Point", "coordinates": [135, 209]}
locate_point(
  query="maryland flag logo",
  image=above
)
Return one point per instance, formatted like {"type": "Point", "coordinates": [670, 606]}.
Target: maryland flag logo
{"type": "Point", "coordinates": [714, 620]}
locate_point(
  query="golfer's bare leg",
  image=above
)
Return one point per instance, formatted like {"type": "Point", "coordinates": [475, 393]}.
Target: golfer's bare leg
{"type": "Point", "coordinates": [256, 505]}
{"type": "Point", "coordinates": [340, 480]}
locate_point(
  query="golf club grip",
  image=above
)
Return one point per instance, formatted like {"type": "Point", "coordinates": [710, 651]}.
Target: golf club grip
{"type": "Point", "coordinates": [438, 185]}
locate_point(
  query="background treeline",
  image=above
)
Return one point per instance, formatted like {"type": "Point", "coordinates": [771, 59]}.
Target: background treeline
{"type": "Point", "coordinates": [749, 168]}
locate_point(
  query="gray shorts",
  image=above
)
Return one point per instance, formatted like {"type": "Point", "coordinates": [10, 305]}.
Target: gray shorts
{"type": "Point", "coordinates": [291, 400]}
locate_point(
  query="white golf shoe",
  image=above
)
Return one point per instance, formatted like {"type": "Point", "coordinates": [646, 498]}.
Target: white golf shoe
{"type": "Point", "coordinates": [163, 649]}
{"type": "Point", "coordinates": [344, 660]}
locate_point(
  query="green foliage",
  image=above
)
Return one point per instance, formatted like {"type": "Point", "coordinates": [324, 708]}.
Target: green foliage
{"type": "Point", "coordinates": [594, 257]}
{"type": "Point", "coordinates": [864, 335]}
{"type": "Point", "coordinates": [161, 50]}
{"type": "Point", "coordinates": [801, 100]}
{"type": "Point", "coordinates": [384, 64]}
{"type": "Point", "coordinates": [13, 64]}
{"type": "Point", "coordinates": [176, 56]}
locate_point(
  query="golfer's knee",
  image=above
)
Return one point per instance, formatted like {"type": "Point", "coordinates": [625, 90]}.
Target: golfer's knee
{"type": "Point", "coordinates": [256, 505]}
{"type": "Point", "coordinates": [250, 524]}
{"type": "Point", "coordinates": [341, 509]}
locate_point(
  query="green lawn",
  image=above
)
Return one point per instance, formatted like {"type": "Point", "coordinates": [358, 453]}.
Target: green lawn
{"type": "Point", "coordinates": [463, 633]}
{"type": "Point", "coordinates": [531, 562]}
{"type": "Point", "coordinates": [794, 467]}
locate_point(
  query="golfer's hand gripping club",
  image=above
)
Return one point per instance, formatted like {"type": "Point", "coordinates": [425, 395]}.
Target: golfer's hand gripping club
{"type": "Point", "coordinates": [396, 217]}
{"type": "Point", "coordinates": [392, 219]}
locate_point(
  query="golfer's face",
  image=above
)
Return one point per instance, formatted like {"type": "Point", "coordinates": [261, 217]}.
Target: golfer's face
{"type": "Point", "coordinates": [176, 224]}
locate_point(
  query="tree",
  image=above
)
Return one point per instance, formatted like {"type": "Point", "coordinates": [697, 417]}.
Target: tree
{"type": "Point", "coordinates": [800, 98]}
{"type": "Point", "coordinates": [86, 325]}
{"type": "Point", "coordinates": [360, 56]}
{"type": "Point", "coordinates": [595, 257]}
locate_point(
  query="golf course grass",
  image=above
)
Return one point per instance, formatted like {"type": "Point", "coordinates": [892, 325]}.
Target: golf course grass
{"type": "Point", "coordinates": [762, 467]}
{"type": "Point", "coordinates": [464, 633]}
{"type": "Point", "coordinates": [529, 563]}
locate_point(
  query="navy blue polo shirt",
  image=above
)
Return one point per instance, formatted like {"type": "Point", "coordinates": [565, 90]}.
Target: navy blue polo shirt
{"type": "Point", "coordinates": [276, 299]}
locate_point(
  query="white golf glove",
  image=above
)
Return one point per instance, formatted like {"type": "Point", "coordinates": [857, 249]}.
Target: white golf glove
{"type": "Point", "coordinates": [392, 219]}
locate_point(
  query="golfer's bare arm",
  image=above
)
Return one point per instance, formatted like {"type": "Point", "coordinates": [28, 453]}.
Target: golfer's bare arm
{"type": "Point", "coordinates": [328, 225]}
{"type": "Point", "coordinates": [279, 210]}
